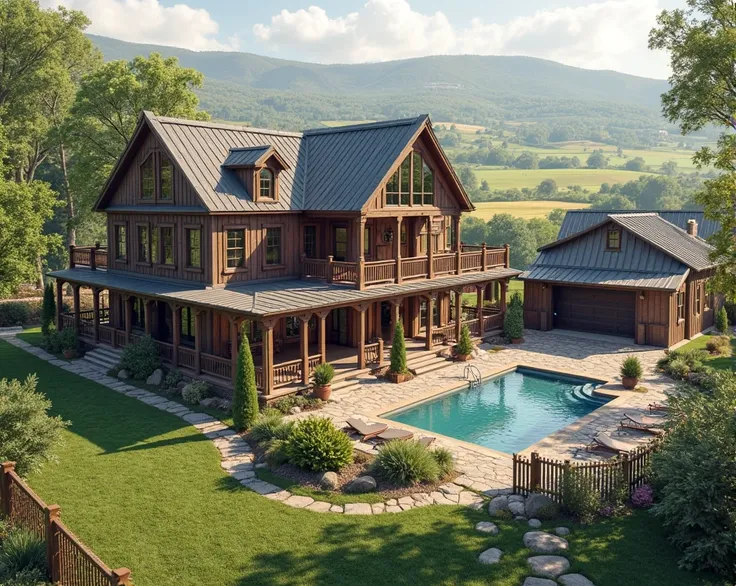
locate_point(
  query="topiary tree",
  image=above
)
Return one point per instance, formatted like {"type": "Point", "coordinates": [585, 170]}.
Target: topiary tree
{"type": "Point", "coordinates": [245, 394]}
{"type": "Point", "coordinates": [465, 344]}
{"type": "Point", "coordinates": [398, 350]}
{"type": "Point", "coordinates": [722, 320]}
{"type": "Point", "coordinates": [513, 321]}
{"type": "Point", "coordinates": [48, 309]}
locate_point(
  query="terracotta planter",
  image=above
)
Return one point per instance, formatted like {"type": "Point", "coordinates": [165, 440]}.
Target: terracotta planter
{"type": "Point", "coordinates": [463, 357]}
{"type": "Point", "coordinates": [629, 382]}
{"type": "Point", "coordinates": [322, 392]}
{"type": "Point", "coordinates": [517, 340]}
{"type": "Point", "coordinates": [69, 354]}
{"type": "Point", "coordinates": [396, 378]}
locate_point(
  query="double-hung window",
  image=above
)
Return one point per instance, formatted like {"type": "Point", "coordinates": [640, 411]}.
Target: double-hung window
{"type": "Point", "coordinates": [194, 248]}
{"type": "Point", "coordinates": [235, 248]}
{"type": "Point", "coordinates": [273, 246]}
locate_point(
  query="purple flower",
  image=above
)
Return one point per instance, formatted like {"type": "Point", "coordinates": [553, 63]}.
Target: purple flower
{"type": "Point", "coordinates": [643, 497]}
{"type": "Point", "coordinates": [606, 511]}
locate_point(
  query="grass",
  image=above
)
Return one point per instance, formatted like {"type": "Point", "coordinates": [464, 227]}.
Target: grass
{"type": "Point", "coordinates": [590, 179]}
{"type": "Point", "coordinates": [515, 286]}
{"type": "Point", "coordinates": [145, 490]}
{"type": "Point", "coordinates": [318, 495]}
{"type": "Point", "coordinates": [523, 209]}
{"type": "Point", "coordinates": [719, 362]}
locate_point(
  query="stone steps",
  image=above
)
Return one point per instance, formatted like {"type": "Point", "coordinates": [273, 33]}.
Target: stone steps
{"type": "Point", "coordinates": [102, 359]}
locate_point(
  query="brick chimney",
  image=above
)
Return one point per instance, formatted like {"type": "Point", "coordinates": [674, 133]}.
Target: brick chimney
{"type": "Point", "coordinates": [692, 228]}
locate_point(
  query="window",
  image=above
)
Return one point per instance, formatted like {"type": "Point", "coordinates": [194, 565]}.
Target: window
{"type": "Point", "coordinates": [392, 190]}
{"type": "Point", "coordinates": [121, 243]}
{"type": "Point", "coordinates": [681, 306]}
{"type": "Point", "coordinates": [367, 241]}
{"type": "Point", "coordinates": [143, 244]}
{"type": "Point", "coordinates": [449, 233]}
{"type": "Point", "coordinates": [341, 244]}
{"type": "Point", "coordinates": [709, 301]}
{"type": "Point", "coordinates": [167, 179]}
{"type": "Point", "coordinates": [266, 184]}
{"type": "Point", "coordinates": [273, 246]}
{"type": "Point", "coordinates": [148, 180]}
{"type": "Point", "coordinates": [292, 327]}
{"type": "Point", "coordinates": [235, 248]}
{"type": "Point", "coordinates": [418, 184]}
{"type": "Point", "coordinates": [403, 237]}
{"type": "Point", "coordinates": [698, 298]}
{"type": "Point", "coordinates": [154, 245]}
{"type": "Point", "coordinates": [613, 242]}
{"type": "Point", "coordinates": [428, 176]}
{"type": "Point", "coordinates": [405, 177]}
{"type": "Point", "coordinates": [310, 241]}
{"type": "Point", "coordinates": [413, 179]}
{"type": "Point", "coordinates": [138, 319]}
{"type": "Point", "coordinates": [167, 245]}
{"type": "Point", "coordinates": [194, 248]}
{"type": "Point", "coordinates": [188, 325]}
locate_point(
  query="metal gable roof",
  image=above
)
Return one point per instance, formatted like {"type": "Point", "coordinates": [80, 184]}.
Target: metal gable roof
{"type": "Point", "coordinates": [579, 220]}
{"type": "Point", "coordinates": [627, 279]}
{"type": "Point", "coordinates": [246, 156]}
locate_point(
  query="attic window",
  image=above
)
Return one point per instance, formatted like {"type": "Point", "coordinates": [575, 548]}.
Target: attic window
{"type": "Point", "coordinates": [148, 179]}
{"type": "Point", "coordinates": [266, 184]}
{"type": "Point", "coordinates": [167, 179]}
{"type": "Point", "coordinates": [613, 240]}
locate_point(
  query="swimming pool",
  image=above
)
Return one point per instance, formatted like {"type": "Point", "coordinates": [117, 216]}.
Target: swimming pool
{"type": "Point", "coordinates": [507, 413]}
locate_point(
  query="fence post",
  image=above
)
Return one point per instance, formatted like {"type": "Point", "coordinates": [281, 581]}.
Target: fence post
{"type": "Point", "coordinates": [536, 472]}
{"type": "Point", "coordinates": [515, 461]}
{"type": "Point", "coordinates": [626, 468]}
{"type": "Point", "coordinates": [483, 265]}
{"type": "Point", "coordinates": [7, 468]}
{"type": "Point", "coordinates": [120, 577]}
{"type": "Point", "coordinates": [52, 514]}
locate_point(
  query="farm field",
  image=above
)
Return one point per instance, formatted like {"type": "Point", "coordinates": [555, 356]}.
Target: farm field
{"type": "Point", "coordinates": [590, 179]}
{"type": "Point", "coordinates": [522, 209]}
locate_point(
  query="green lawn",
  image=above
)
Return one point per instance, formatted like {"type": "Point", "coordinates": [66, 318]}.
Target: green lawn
{"type": "Point", "coordinates": [146, 491]}
{"type": "Point", "coordinates": [720, 362]}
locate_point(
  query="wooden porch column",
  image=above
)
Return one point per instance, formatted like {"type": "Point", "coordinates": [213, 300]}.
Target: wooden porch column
{"type": "Point", "coordinates": [504, 287]}
{"type": "Point", "coordinates": [458, 244]}
{"type": "Point", "coordinates": [430, 316]}
{"type": "Point", "coordinates": [361, 309]}
{"type": "Point", "coordinates": [233, 322]}
{"type": "Point", "coordinates": [360, 251]}
{"type": "Point", "coordinates": [430, 249]}
{"type": "Point", "coordinates": [397, 249]}
{"type": "Point", "coordinates": [77, 317]}
{"type": "Point", "coordinates": [304, 343]}
{"type": "Point", "coordinates": [198, 335]}
{"type": "Point", "coordinates": [322, 335]}
{"type": "Point", "coordinates": [96, 313]}
{"type": "Point", "coordinates": [267, 358]}
{"type": "Point", "coordinates": [458, 313]}
{"type": "Point", "coordinates": [147, 313]}
{"type": "Point", "coordinates": [175, 334]}
{"type": "Point", "coordinates": [395, 315]}
{"type": "Point", "coordinates": [483, 264]}
{"type": "Point", "coordinates": [128, 311]}
{"type": "Point", "coordinates": [480, 291]}
{"type": "Point", "coordinates": [59, 302]}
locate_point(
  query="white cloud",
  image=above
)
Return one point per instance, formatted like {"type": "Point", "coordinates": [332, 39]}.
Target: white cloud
{"type": "Point", "coordinates": [148, 21]}
{"type": "Point", "coordinates": [604, 35]}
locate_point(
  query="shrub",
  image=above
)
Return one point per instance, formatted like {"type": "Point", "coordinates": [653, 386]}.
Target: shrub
{"type": "Point", "coordinates": [171, 380]}
{"type": "Point", "coordinates": [631, 367]}
{"type": "Point", "coordinates": [266, 426]}
{"type": "Point", "coordinates": [504, 515]}
{"type": "Point", "coordinates": [445, 460]}
{"type": "Point", "coordinates": [694, 474]}
{"type": "Point", "coordinates": [22, 551]}
{"type": "Point", "coordinates": [245, 393]}
{"type": "Point", "coordinates": [316, 444]}
{"type": "Point", "coordinates": [286, 404]}
{"type": "Point", "coordinates": [513, 321]}
{"type": "Point", "coordinates": [679, 363]}
{"type": "Point", "coordinates": [579, 497]}
{"type": "Point", "coordinates": [465, 345]}
{"type": "Point", "coordinates": [48, 308]}
{"type": "Point", "coordinates": [14, 313]}
{"type": "Point", "coordinates": [398, 350]}
{"type": "Point", "coordinates": [323, 374]}
{"type": "Point", "coordinates": [68, 339]}
{"type": "Point", "coordinates": [642, 497]}
{"type": "Point", "coordinates": [195, 391]}
{"type": "Point", "coordinates": [141, 358]}
{"type": "Point", "coordinates": [722, 320]}
{"type": "Point", "coordinates": [720, 345]}
{"type": "Point", "coordinates": [27, 433]}
{"type": "Point", "coordinates": [33, 577]}
{"type": "Point", "coordinates": [679, 368]}
{"type": "Point", "coordinates": [406, 463]}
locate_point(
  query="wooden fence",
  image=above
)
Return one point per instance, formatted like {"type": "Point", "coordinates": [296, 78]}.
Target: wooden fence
{"type": "Point", "coordinates": [545, 475]}
{"type": "Point", "coordinates": [68, 561]}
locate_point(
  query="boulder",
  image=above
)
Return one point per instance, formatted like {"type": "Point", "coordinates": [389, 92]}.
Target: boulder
{"type": "Point", "coordinates": [211, 402]}
{"type": "Point", "coordinates": [226, 405]}
{"type": "Point", "coordinates": [157, 376]}
{"type": "Point", "coordinates": [123, 374]}
{"type": "Point", "coordinates": [541, 542]}
{"type": "Point", "coordinates": [490, 556]}
{"type": "Point", "coordinates": [541, 506]}
{"type": "Point", "coordinates": [294, 410]}
{"type": "Point", "coordinates": [574, 580]}
{"type": "Point", "coordinates": [548, 566]}
{"type": "Point", "coordinates": [531, 581]}
{"type": "Point", "coordinates": [499, 503]}
{"type": "Point", "coordinates": [362, 484]}
{"type": "Point", "coordinates": [487, 527]}
{"type": "Point", "coordinates": [516, 498]}
{"type": "Point", "coordinates": [535, 523]}
{"type": "Point", "coordinates": [517, 509]}
{"type": "Point", "coordinates": [562, 531]}
{"type": "Point", "coordinates": [181, 384]}
{"type": "Point", "coordinates": [328, 481]}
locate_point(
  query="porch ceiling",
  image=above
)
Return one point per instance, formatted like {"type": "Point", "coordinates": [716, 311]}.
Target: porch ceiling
{"type": "Point", "coordinates": [271, 298]}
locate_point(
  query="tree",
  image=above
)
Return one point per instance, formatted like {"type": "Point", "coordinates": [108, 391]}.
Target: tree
{"type": "Point", "coordinates": [468, 178]}
{"type": "Point", "coordinates": [597, 160]}
{"type": "Point", "coordinates": [526, 160]}
{"type": "Point", "coordinates": [547, 188]}
{"type": "Point", "coordinates": [636, 164]}
{"type": "Point", "coordinates": [722, 320]}
{"type": "Point", "coordinates": [700, 41]}
{"type": "Point", "coordinates": [473, 230]}
{"type": "Point", "coordinates": [669, 168]}
{"type": "Point", "coordinates": [544, 230]}
{"type": "Point", "coordinates": [506, 229]}
{"type": "Point", "coordinates": [556, 216]}
{"type": "Point", "coordinates": [398, 350]}
{"type": "Point", "coordinates": [615, 201]}
{"type": "Point", "coordinates": [48, 309]}
{"type": "Point", "coordinates": [484, 185]}
{"type": "Point", "coordinates": [245, 393]}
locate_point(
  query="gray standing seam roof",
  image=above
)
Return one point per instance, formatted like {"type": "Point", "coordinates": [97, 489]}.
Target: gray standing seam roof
{"type": "Point", "coordinates": [579, 276]}
{"type": "Point", "coordinates": [245, 156]}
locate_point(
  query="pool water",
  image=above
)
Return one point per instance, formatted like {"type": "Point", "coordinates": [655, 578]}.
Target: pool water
{"type": "Point", "coordinates": [508, 413]}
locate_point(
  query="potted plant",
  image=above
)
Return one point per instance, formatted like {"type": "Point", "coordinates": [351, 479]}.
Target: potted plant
{"type": "Point", "coordinates": [513, 321]}
{"type": "Point", "coordinates": [398, 372]}
{"type": "Point", "coordinates": [631, 372]}
{"type": "Point", "coordinates": [69, 343]}
{"type": "Point", "coordinates": [464, 347]}
{"type": "Point", "coordinates": [323, 375]}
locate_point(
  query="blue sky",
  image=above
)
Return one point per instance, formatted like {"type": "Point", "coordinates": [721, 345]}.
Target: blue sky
{"type": "Point", "coordinates": [595, 34]}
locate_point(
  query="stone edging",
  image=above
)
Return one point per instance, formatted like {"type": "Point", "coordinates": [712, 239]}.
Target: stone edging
{"type": "Point", "coordinates": [237, 457]}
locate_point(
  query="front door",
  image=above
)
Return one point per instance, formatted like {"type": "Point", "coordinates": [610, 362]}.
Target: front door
{"type": "Point", "coordinates": [340, 244]}
{"type": "Point", "coordinates": [340, 326]}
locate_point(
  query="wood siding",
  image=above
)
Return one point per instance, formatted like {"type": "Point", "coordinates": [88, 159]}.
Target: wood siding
{"type": "Point", "coordinates": [653, 318]}
{"type": "Point", "coordinates": [537, 306]}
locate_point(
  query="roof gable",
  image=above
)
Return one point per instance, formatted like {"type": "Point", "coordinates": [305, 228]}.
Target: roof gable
{"type": "Point", "coordinates": [240, 157]}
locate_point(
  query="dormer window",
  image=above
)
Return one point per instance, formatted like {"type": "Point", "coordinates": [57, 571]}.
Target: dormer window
{"type": "Point", "coordinates": [266, 184]}
{"type": "Point", "coordinates": [258, 169]}
{"type": "Point", "coordinates": [412, 183]}
{"type": "Point", "coordinates": [613, 240]}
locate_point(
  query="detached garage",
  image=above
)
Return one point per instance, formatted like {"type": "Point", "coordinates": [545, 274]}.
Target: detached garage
{"type": "Point", "coordinates": [634, 275]}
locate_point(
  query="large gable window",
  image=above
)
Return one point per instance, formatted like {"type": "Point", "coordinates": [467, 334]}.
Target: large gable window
{"type": "Point", "coordinates": [167, 179]}
{"type": "Point", "coordinates": [412, 183]}
{"type": "Point", "coordinates": [148, 179]}
{"type": "Point", "coordinates": [157, 178]}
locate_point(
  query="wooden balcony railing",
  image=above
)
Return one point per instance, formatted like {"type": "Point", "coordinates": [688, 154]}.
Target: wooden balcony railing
{"type": "Point", "coordinates": [380, 271]}
{"type": "Point", "coordinates": [216, 366]}
{"type": "Point", "coordinates": [374, 353]}
{"type": "Point", "coordinates": [443, 334]}
{"type": "Point", "coordinates": [94, 257]}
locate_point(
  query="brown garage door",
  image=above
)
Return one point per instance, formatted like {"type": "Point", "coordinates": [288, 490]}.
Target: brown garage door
{"type": "Point", "coordinates": [603, 311]}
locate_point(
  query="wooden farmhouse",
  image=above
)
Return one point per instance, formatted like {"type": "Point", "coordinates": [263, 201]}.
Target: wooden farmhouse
{"type": "Point", "coordinates": [317, 241]}
{"type": "Point", "coordinates": [638, 274]}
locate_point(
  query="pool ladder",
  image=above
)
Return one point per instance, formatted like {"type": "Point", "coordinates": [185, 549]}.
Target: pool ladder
{"type": "Point", "coordinates": [473, 375]}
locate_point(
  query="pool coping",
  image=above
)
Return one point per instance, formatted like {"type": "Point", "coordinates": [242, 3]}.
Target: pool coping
{"type": "Point", "coordinates": [615, 392]}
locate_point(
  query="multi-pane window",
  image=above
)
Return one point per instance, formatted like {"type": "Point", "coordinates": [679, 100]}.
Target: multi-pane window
{"type": "Point", "coordinates": [405, 181]}
{"type": "Point", "coordinates": [148, 179]}
{"type": "Point", "coordinates": [154, 245]}
{"type": "Point", "coordinates": [341, 244]}
{"type": "Point", "coordinates": [698, 298]}
{"type": "Point", "coordinates": [681, 305]}
{"type": "Point", "coordinates": [235, 248]}
{"type": "Point", "coordinates": [167, 179]}
{"type": "Point", "coordinates": [367, 241]}
{"type": "Point", "coordinates": [167, 245]}
{"type": "Point", "coordinates": [143, 244]}
{"type": "Point", "coordinates": [413, 179]}
{"type": "Point", "coordinates": [310, 241]}
{"type": "Point", "coordinates": [266, 183]}
{"type": "Point", "coordinates": [292, 327]}
{"type": "Point", "coordinates": [121, 243]}
{"type": "Point", "coordinates": [404, 235]}
{"type": "Point", "coordinates": [194, 248]}
{"type": "Point", "coordinates": [613, 241]}
{"type": "Point", "coordinates": [273, 246]}
{"type": "Point", "coordinates": [449, 233]}
{"type": "Point", "coordinates": [188, 325]}
{"type": "Point", "coordinates": [423, 182]}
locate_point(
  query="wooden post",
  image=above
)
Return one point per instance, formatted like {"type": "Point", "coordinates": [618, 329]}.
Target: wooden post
{"type": "Point", "coordinates": [233, 321]}
{"type": "Point", "coordinates": [626, 469]}
{"type": "Point", "coordinates": [302, 258]}
{"type": "Point", "coordinates": [361, 309]}
{"type": "Point", "coordinates": [6, 505]}
{"type": "Point", "coordinates": [430, 249]}
{"type": "Point", "coordinates": [322, 335]}
{"type": "Point", "coordinates": [504, 287]}
{"type": "Point", "coordinates": [77, 308]}
{"type": "Point", "coordinates": [506, 256]}
{"type": "Point", "coordinates": [121, 577]}
{"type": "Point", "coordinates": [535, 476]}
{"type": "Point", "coordinates": [480, 291]}
{"type": "Point", "coordinates": [128, 307]}
{"type": "Point", "coordinates": [483, 263]}
{"type": "Point", "coordinates": [71, 256]}
{"type": "Point", "coordinates": [147, 315]}
{"type": "Point", "coordinates": [397, 249]}
{"type": "Point", "coordinates": [198, 313]}
{"type": "Point", "coordinates": [96, 313]}
{"type": "Point", "coordinates": [304, 343]}
{"type": "Point", "coordinates": [59, 303]}
{"type": "Point", "coordinates": [430, 315]}
{"type": "Point", "coordinates": [52, 513]}
{"type": "Point", "coordinates": [267, 363]}
{"type": "Point", "coordinates": [458, 245]}
{"type": "Point", "coordinates": [380, 351]}
{"type": "Point", "coordinates": [458, 313]}
{"type": "Point", "coordinates": [175, 334]}
{"type": "Point", "coordinates": [395, 308]}
{"type": "Point", "coordinates": [330, 260]}
{"type": "Point", "coordinates": [360, 222]}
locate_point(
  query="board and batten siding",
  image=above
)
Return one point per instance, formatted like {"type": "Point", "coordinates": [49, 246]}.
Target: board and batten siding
{"type": "Point", "coordinates": [537, 306]}
{"type": "Point", "coordinates": [653, 309]}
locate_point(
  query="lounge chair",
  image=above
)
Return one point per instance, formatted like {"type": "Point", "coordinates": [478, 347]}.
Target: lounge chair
{"type": "Point", "coordinates": [658, 407]}
{"type": "Point", "coordinates": [366, 430]}
{"type": "Point", "coordinates": [606, 442]}
{"type": "Point", "coordinates": [643, 423]}
{"type": "Point", "coordinates": [427, 440]}
{"type": "Point", "coordinates": [393, 433]}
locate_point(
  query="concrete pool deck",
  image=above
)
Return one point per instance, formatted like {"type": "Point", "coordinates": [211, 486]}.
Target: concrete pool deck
{"type": "Point", "coordinates": [489, 470]}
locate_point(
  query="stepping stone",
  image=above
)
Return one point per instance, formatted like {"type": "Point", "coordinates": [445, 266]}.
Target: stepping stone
{"type": "Point", "coordinates": [281, 495]}
{"type": "Point", "coordinates": [490, 556]}
{"type": "Point", "coordinates": [336, 509]}
{"type": "Point", "coordinates": [450, 488]}
{"type": "Point", "coordinates": [574, 580]}
{"type": "Point", "coordinates": [562, 531]}
{"type": "Point", "coordinates": [531, 581]}
{"type": "Point", "coordinates": [319, 506]}
{"type": "Point", "coordinates": [487, 527]}
{"type": "Point", "coordinates": [378, 508]}
{"type": "Point", "coordinates": [393, 509]}
{"type": "Point", "coordinates": [298, 502]}
{"type": "Point", "coordinates": [535, 523]}
{"type": "Point", "coordinates": [548, 566]}
{"type": "Point", "coordinates": [358, 509]}
{"type": "Point", "coordinates": [541, 542]}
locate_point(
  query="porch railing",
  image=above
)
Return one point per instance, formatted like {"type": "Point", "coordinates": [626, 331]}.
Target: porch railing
{"type": "Point", "coordinates": [343, 272]}
{"type": "Point", "coordinates": [380, 271]}
{"type": "Point", "coordinates": [374, 353]}
{"type": "Point", "coordinates": [216, 366]}
{"type": "Point", "coordinates": [165, 350]}
{"type": "Point", "coordinates": [414, 267]}
{"type": "Point", "coordinates": [187, 357]}
{"type": "Point", "coordinates": [445, 264]}
{"type": "Point", "coordinates": [105, 334]}
{"type": "Point", "coordinates": [94, 257]}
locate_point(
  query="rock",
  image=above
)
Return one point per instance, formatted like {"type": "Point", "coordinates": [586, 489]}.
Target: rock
{"type": "Point", "coordinates": [487, 527]}
{"type": "Point", "coordinates": [261, 466]}
{"type": "Point", "coordinates": [211, 402]}
{"type": "Point", "coordinates": [562, 531]}
{"type": "Point", "coordinates": [548, 566]}
{"type": "Point", "coordinates": [225, 405]}
{"type": "Point", "coordinates": [328, 481]}
{"type": "Point", "coordinates": [539, 582]}
{"type": "Point", "coordinates": [541, 506]}
{"type": "Point", "coordinates": [451, 488]}
{"type": "Point", "coordinates": [358, 509]}
{"type": "Point", "coordinates": [541, 542]}
{"type": "Point", "coordinates": [521, 518]}
{"type": "Point", "coordinates": [535, 523]}
{"type": "Point", "coordinates": [490, 556]}
{"type": "Point", "coordinates": [516, 498]}
{"type": "Point", "coordinates": [362, 484]}
{"type": "Point", "coordinates": [123, 374]}
{"type": "Point", "coordinates": [574, 580]}
{"type": "Point", "coordinates": [181, 384]}
{"type": "Point", "coordinates": [517, 509]}
{"type": "Point", "coordinates": [157, 376]}
{"type": "Point", "coordinates": [499, 503]}
{"type": "Point", "coordinates": [294, 410]}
